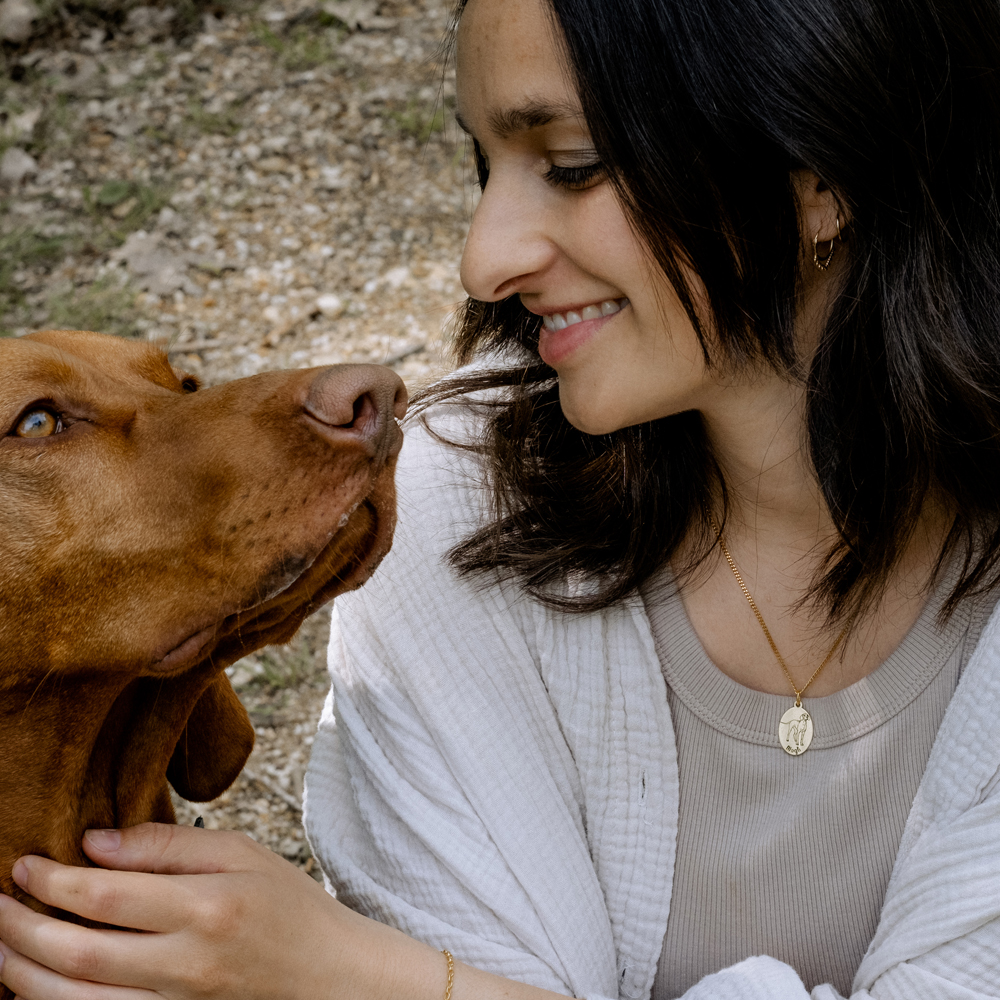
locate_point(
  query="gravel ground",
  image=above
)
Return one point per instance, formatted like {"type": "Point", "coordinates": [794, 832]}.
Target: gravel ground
{"type": "Point", "coordinates": [253, 187]}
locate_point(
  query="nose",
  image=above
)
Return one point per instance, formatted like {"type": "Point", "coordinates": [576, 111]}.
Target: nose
{"type": "Point", "coordinates": [358, 403]}
{"type": "Point", "coordinates": [507, 245]}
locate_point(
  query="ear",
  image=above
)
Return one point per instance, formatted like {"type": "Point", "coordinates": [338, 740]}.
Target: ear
{"type": "Point", "coordinates": [821, 213]}
{"type": "Point", "coordinates": [214, 746]}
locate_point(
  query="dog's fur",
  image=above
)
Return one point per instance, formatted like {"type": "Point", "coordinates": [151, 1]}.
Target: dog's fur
{"type": "Point", "coordinates": [159, 536]}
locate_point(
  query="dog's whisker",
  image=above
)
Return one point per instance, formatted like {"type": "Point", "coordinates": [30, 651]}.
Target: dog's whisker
{"type": "Point", "coordinates": [49, 673]}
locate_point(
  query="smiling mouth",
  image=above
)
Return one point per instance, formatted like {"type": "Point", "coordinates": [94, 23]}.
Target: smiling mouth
{"type": "Point", "coordinates": [560, 321]}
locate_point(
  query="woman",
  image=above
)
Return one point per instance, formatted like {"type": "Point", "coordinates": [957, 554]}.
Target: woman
{"type": "Point", "coordinates": [679, 679]}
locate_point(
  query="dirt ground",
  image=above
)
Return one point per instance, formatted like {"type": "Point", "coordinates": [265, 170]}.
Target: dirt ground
{"type": "Point", "coordinates": [253, 186]}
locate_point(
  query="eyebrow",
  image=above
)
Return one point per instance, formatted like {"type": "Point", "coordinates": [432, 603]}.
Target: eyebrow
{"type": "Point", "coordinates": [508, 122]}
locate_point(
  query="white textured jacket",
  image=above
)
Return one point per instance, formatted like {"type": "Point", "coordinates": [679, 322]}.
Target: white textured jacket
{"type": "Point", "coordinates": [500, 780]}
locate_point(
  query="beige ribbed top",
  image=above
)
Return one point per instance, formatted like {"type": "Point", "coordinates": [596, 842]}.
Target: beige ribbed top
{"type": "Point", "coordinates": [790, 856]}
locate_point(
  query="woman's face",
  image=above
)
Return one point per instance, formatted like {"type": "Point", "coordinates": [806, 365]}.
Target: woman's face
{"type": "Point", "coordinates": [550, 229]}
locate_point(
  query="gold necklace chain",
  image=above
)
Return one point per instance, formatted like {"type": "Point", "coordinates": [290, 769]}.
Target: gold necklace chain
{"type": "Point", "coordinates": [767, 632]}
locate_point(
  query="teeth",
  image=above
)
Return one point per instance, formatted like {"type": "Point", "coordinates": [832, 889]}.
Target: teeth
{"type": "Point", "coordinates": [559, 321]}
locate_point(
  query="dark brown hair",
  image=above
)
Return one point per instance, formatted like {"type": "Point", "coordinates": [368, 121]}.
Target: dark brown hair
{"type": "Point", "coordinates": [699, 112]}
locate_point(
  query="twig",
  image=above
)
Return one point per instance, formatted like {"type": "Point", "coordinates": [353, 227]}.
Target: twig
{"type": "Point", "coordinates": [407, 352]}
{"type": "Point", "coordinates": [204, 345]}
{"type": "Point", "coordinates": [270, 786]}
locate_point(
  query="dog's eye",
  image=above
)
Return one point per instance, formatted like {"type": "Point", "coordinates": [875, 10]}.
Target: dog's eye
{"type": "Point", "coordinates": [38, 424]}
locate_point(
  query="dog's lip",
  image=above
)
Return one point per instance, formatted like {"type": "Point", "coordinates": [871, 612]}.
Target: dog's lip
{"type": "Point", "coordinates": [192, 649]}
{"type": "Point", "coordinates": [187, 652]}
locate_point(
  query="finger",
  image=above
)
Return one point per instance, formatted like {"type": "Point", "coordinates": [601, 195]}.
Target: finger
{"type": "Point", "coordinates": [104, 956]}
{"type": "Point", "coordinates": [31, 981]}
{"type": "Point", "coordinates": [122, 899]}
{"type": "Point", "coordinates": [173, 850]}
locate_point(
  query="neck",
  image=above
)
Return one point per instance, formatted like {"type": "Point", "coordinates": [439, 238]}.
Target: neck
{"type": "Point", "coordinates": [758, 435]}
{"type": "Point", "coordinates": [780, 533]}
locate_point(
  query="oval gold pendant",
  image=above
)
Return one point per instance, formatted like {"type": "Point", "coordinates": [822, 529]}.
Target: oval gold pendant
{"type": "Point", "coordinates": [795, 731]}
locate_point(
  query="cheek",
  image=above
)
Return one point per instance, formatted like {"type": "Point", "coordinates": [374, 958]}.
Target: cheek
{"type": "Point", "coordinates": [646, 367]}
{"type": "Point", "coordinates": [601, 240]}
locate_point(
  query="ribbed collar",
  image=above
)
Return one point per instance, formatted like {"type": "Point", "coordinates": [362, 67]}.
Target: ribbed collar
{"type": "Point", "coordinates": [752, 716]}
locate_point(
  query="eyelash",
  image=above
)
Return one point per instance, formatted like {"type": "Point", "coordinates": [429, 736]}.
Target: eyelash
{"type": "Point", "coordinates": [575, 178]}
{"type": "Point", "coordinates": [570, 178]}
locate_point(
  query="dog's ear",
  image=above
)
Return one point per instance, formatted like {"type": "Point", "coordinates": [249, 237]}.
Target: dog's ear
{"type": "Point", "coordinates": [214, 746]}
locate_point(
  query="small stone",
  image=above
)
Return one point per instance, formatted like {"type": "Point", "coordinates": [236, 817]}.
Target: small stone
{"type": "Point", "coordinates": [333, 179]}
{"type": "Point", "coordinates": [361, 14]}
{"type": "Point", "coordinates": [395, 278]}
{"type": "Point", "coordinates": [23, 125]}
{"type": "Point", "coordinates": [167, 217]}
{"type": "Point", "coordinates": [154, 267]}
{"type": "Point", "coordinates": [123, 208]}
{"type": "Point", "coordinates": [16, 165]}
{"type": "Point", "coordinates": [245, 671]}
{"type": "Point", "coordinates": [330, 305]}
{"type": "Point", "coordinates": [150, 21]}
{"type": "Point", "coordinates": [93, 42]}
{"type": "Point", "coordinates": [16, 20]}
{"type": "Point", "coordinates": [72, 72]}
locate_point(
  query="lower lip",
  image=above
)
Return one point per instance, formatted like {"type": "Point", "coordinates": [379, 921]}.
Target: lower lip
{"type": "Point", "coordinates": [188, 652]}
{"type": "Point", "coordinates": [555, 346]}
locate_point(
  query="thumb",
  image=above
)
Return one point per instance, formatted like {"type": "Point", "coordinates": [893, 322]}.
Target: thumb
{"type": "Point", "coordinates": [165, 849]}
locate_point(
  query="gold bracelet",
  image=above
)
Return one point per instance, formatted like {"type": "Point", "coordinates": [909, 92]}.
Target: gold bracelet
{"type": "Point", "coordinates": [451, 973]}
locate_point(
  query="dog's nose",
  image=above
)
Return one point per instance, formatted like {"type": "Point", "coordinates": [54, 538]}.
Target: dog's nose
{"type": "Point", "coordinates": [358, 401]}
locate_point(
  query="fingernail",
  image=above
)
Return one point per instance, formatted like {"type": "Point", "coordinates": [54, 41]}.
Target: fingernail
{"type": "Point", "coordinates": [104, 840]}
{"type": "Point", "coordinates": [19, 873]}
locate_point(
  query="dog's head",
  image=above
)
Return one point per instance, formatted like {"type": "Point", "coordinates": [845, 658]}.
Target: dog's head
{"type": "Point", "coordinates": [152, 532]}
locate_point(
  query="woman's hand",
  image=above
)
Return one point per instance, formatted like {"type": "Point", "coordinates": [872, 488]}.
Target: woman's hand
{"type": "Point", "coordinates": [224, 917]}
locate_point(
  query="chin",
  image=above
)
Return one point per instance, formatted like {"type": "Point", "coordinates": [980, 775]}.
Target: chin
{"type": "Point", "coordinates": [590, 419]}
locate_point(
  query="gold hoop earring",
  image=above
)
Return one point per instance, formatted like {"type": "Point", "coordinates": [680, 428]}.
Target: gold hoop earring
{"type": "Point", "coordinates": [823, 263]}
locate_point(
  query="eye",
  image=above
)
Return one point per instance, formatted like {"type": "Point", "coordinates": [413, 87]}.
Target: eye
{"type": "Point", "coordinates": [190, 384]}
{"type": "Point", "coordinates": [38, 423]}
{"type": "Point", "coordinates": [482, 164]}
{"type": "Point", "coordinates": [576, 178]}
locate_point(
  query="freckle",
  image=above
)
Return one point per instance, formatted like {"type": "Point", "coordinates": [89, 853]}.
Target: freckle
{"type": "Point", "coordinates": [248, 522]}
{"type": "Point", "coordinates": [232, 529]}
{"type": "Point", "coordinates": [267, 515]}
{"type": "Point", "coordinates": [284, 510]}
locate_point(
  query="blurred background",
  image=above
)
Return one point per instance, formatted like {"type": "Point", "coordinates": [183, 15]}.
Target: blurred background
{"type": "Point", "coordinates": [252, 184]}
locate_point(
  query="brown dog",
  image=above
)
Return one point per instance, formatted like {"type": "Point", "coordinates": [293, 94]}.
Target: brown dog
{"type": "Point", "coordinates": [150, 535]}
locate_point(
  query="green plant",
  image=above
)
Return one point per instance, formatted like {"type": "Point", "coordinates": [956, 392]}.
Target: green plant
{"type": "Point", "coordinates": [210, 122]}
{"type": "Point", "coordinates": [124, 206]}
{"type": "Point", "coordinates": [269, 38]}
{"type": "Point", "coordinates": [58, 128]}
{"type": "Point", "coordinates": [21, 248]}
{"type": "Point", "coordinates": [418, 120]}
{"type": "Point", "coordinates": [107, 306]}
{"type": "Point", "coordinates": [113, 193]}
{"type": "Point", "coordinates": [303, 46]}
{"type": "Point", "coordinates": [286, 666]}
